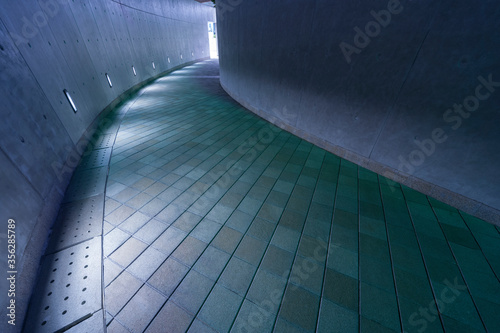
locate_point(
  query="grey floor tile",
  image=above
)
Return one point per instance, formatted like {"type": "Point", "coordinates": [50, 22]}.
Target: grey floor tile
{"type": "Point", "coordinates": [125, 194]}
{"type": "Point", "coordinates": [251, 250]}
{"type": "Point", "coordinates": [153, 207]}
{"type": "Point", "coordinates": [335, 318]}
{"type": "Point", "coordinates": [277, 261]}
{"type": "Point", "coordinates": [169, 240]}
{"type": "Point", "coordinates": [286, 239]}
{"type": "Point", "coordinates": [200, 327]}
{"type": "Point", "coordinates": [379, 306]}
{"type": "Point", "coordinates": [300, 307]}
{"type": "Point", "coordinates": [227, 239]}
{"type": "Point", "coordinates": [237, 276]}
{"type": "Point", "coordinates": [220, 308]}
{"type": "Point", "coordinates": [261, 229]}
{"type": "Point", "coordinates": [139, 200]}
{"type": "Point", "coordinates": [134, 222]}
{"type": "Point", "coordinates": [150, 231]}
{"type": "Point", "coordinates": [252, 318]}
{"type": "Point", "coordinates": [120, 291]}
{"type": "Point", "coordinates": [116, 327]}
{"type": "Point", "coordinates": [141, 309]}
{"type": "Point", "coordinates": [192, 291]}
{"type": "Point", "coordinates": [170, 213]}
{"type": "Point", "coordinates": [307, 274]}
{"type": "Point", "coordinates": [189, 250]}
{"type": "Point", "coordinates": [147, 263]}
{"type": "Point", "coordinates": [283, 325]}
{"type": "Point", "coordinates": [127, 252]}
{"type": "Point", "coordinates": [168, 276]}
{"type": "Point", "coordinates": [143, 183]}
{"type": "Point", "coordinates": [119, 215]}
{"type": "Point", "coordinates": [110, 205]}
{"type": "Point", "coordinates": [171, 318]}
{"type": "Point", "coordinates": [240, 221]}
{"type": "Point", "coordinates": [111, 271]}
{"type": "Point", "coordinates": [206, 230]}
{"type": "Point", "coordinates": [266, 291]}
{"type": "Point", "coordinates": [341, 289]}
{"type": "Point", "coordinates": [187, 221]}
{"type": "Point", "coordinates": [113, 240]}
{"type": "Point", "coordinates": [212, 262]}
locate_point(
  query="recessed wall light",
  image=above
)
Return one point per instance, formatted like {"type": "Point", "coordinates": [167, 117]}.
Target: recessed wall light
{"type": "Point", "coordinates": [70, 100]}
{"type": "Point", "coordinates": [168, 60]}
{"type": "Point", "coordinates": [192, 54]}
{"type": "Point", "coordinates": [133, 68]}
{"type": "Point", "coordinates": [154, 67]}
{"type": "Point", "coordinates": [109, 80]}
{"type": "Point", "coordinates": [181, 56]}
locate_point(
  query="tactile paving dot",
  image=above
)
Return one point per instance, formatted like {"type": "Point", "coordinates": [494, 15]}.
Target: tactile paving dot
{"type": "Point", "coordinates": [96, 158]}
{"type": "Point", "coordinates": [103, 141]}
{"type": "Point", "coordinates": [77, 221]}
{"type": "Point", "coordinates": [86, 183]}
{"type": "Point", "coordinates": [68, 289]}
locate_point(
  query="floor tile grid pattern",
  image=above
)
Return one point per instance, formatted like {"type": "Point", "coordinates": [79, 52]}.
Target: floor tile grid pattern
{"type": "Point", "coordinates": [371, 219]}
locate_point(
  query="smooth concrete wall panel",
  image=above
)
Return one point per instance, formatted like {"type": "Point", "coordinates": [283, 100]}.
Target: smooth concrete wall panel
{"type": "Point", "coordinates": [76, 55]}
{"type": "Point", "coordinates": [41, 52]}
{"type": "Point", "coordinates": [466, 158]}
{"type": "Point", "coordinates": [33, 137]}
{"type": "Point", "coordinates": [51, 45]}
{"type": "Point", "coordinates": [376, 104]}
{"type": "Point", "coordinates": [92, 40]}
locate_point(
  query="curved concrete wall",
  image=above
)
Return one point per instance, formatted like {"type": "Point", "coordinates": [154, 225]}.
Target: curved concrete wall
{"type": "Point", "coordinates": [380, 83]}
{"type": "Point", "coordinates": [47, 46]}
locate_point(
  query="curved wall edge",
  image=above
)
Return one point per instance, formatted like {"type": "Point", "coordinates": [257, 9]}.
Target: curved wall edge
{"type": "Point", "coordinates": [467, 205]}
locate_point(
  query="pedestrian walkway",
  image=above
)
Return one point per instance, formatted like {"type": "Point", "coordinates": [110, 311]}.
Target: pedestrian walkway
{"type": "Point", "coordinates": [217, 221]}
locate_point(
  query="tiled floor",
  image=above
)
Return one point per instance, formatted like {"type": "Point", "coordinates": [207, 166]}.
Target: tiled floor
{"type": "Point", "coordinates": [216, 220]}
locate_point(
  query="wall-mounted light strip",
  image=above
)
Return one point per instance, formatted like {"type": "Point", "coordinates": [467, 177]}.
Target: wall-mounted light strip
{"type": "Point", "coordinates": [168, 60]}
{"type": "Point", "coordinates": [133, 68]}
{"type": "Point", "coordinates": [109, 80]}
{"type": "Point", "coordinates": [153, 64]}
{"type": "Point", "coordinates": [181, 56]}
{"type": "Point", "coordinates": [70, 100]}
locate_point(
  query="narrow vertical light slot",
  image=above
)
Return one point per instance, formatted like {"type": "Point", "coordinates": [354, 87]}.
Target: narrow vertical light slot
{"type": "Point", "coordinates": [192, 54]}
{"type": "Point", "coordinates": [153, 64]}
{"type": "Point", "coordinates": [70, 100]}
{"type": "Point", "coordinates": [181, 56]}
{"type": "Point", "coordinates": [109, 80]}
{"type": "Point", "coordinates": [168, 60]}
{"type": "Point", "coordinates": [133, 68]}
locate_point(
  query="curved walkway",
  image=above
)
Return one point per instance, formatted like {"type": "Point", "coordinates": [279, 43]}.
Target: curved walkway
{"type": "Point", "coordinates": [215, 220]}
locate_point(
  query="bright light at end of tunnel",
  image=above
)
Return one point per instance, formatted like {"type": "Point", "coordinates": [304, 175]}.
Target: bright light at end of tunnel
{"type": "Point", "coordinates": [109, 80]}
{"type": "Point", "coordinates": [70, 100]}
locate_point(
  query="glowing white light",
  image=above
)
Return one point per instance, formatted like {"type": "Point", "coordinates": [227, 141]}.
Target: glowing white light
{"type": "Point", "coordinates": [109, 80]}
{"type": "Point", "coordinates": [133, 68]}
{"type": "Point", "coordinates": [153, 64]}
{"type": "Point", "coordinates": [70, 100]}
